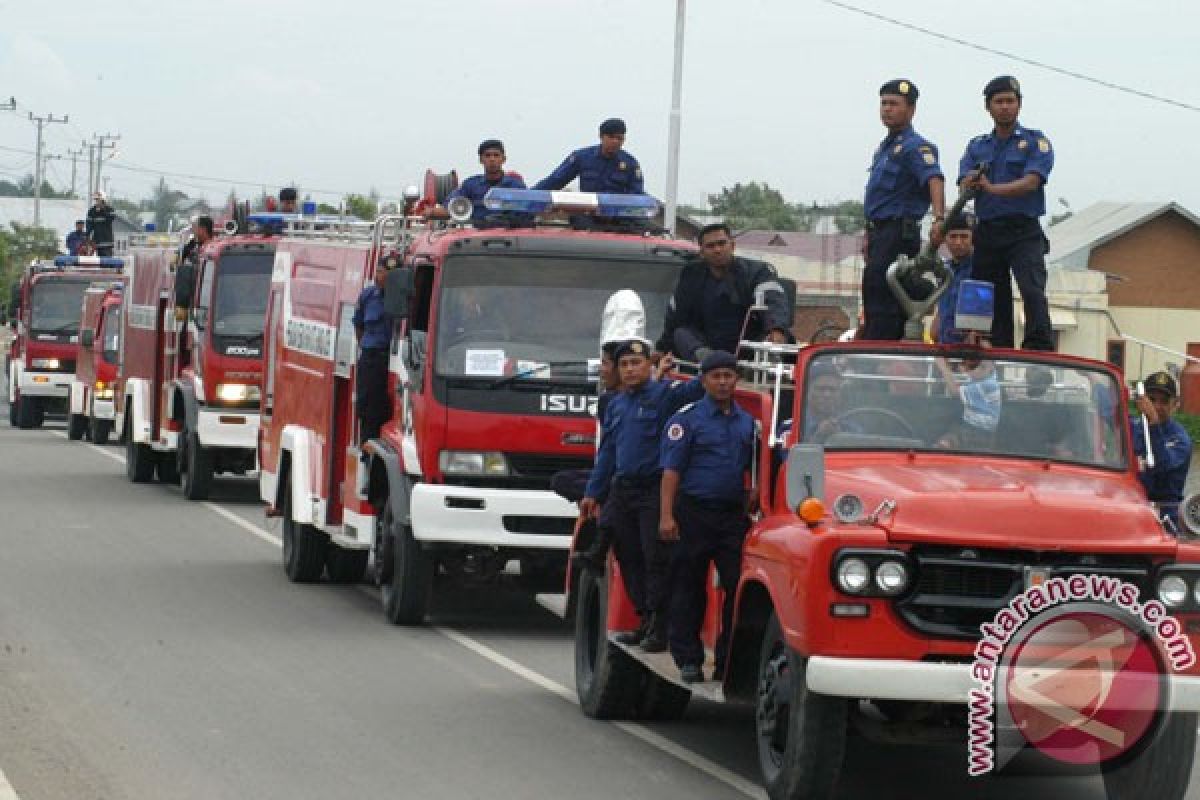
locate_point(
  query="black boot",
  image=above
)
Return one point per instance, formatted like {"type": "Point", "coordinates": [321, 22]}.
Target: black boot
{"type": "Point", "coordinates": [656, 640]}
{"type": "Point", "coordinates": [634, 637]}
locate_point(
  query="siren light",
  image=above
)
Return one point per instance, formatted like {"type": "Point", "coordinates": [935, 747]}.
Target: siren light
{"type": "Point", "coordinates": [537, 201]}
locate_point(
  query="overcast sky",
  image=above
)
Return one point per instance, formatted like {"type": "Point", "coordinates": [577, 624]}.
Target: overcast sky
{"type": "Point", "coordinates": [344, 96]}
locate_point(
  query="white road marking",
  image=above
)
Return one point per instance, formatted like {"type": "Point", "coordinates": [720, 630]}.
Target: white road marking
{"type": "Point", "coordinates": [7, 792]}
{"type": "Point", "coordinates": [656, 740]}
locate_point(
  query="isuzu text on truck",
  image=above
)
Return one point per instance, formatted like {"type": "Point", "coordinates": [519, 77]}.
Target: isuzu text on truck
{"type": "Point", "coordinates": [46, 307]}
{"type": "Point", "coordinates": [492, 373]}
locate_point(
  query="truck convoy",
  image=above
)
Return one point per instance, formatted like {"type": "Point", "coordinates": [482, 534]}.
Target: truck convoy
{"type": "Point", "coordinates": [492, 374]}
{"type": "Point", "coordinates": [191, 367]}
{"type": "Point", "coordinates": [46, 304]}
{"type": "Point", "coordinates": [95, 391]}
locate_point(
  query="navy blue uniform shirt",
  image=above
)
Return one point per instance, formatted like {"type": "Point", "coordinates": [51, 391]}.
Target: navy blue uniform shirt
{"type": "Point", "coordinates": [475, 187]}
{"type": "Point", "coordinates": [619, 174]}
{"type": "Point", "coordinates": [960, 271]}
{"type": "Point", "coordinates": [898, 184]}
{"type": "Point", "coordinates": [723, 315]}
{"type": "Point", "coordinates": [1025, 151]}
{"type": "Point", "coordinates": [372, 320]}
{"type": "Point", "coordinates": [1172, 456]}
{"type": "Point", "coordinates": [711, 450]}
{"type": "Point", "coordinates": [631, 430]}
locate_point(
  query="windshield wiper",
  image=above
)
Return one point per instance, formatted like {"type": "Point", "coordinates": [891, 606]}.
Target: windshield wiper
{"type": "Point", "coordinates": [516, 376]}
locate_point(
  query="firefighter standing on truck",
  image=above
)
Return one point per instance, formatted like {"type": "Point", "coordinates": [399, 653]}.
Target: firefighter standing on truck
{"type": "Point", "coordinates": [905, 179]}
{"type": "Point", "coordinates": [627, 478]}
{"type": "Point", "coordinates": [604, 167]}
{"type": "Point", "coordinates": [706, 455]}
{"type": "Point", "coordinates": [1169, 442]}
{"type": "Point", "coordinates": [373, 329]}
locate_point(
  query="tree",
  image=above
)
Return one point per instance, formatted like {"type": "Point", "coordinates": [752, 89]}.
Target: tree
{"type": "Point", "coordinates": [24, 188]}
{"type": "Point", "coordinates": [754, 205]}
{"type": "Point", "coordinates": [167, 204]}
{"type": "Point", "coordinates": [20, 246]}
{"type": "Point", "coordinates": [849, 216]}
{"type": "Point", "coordinates": [363, 207]}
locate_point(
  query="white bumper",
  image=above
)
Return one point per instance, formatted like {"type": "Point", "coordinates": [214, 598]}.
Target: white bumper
{"type": "Point", "coordinates": [227, 428]}
{"type": "Point", "coordinates": [491, 517]}
{"type": "Point", "coordinates": [104, 409]}
{"type": "Point", "coordinates": [45, 384]}
{"type": "Point", "coordinates": [923, 682]}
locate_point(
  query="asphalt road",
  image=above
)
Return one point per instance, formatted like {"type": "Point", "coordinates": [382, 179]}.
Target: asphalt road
{"type": "Point", "coordinates": [152, 648]}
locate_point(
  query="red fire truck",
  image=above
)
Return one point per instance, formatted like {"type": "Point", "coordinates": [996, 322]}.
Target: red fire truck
{"type": "Point", "coordinates": [492, 368]}
{"type": "Point", "coordinates": [894, 524]}
{"type": "Point", "coordinates": [46, 305]}
{"type": "Point", "coordinates": [95, 392]}
{"type": "Point", "coordinates": [191, 369]}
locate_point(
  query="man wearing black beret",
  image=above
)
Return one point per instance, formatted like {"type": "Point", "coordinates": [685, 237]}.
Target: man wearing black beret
{"type": "Point", "coordinates": [905, 180]}
{"type": "Point", "coordinates": [1009, 242]}
{"type": "Point", "coordinates": [603, 167]}
{"type": "Point", "coordinates": [476, 187]}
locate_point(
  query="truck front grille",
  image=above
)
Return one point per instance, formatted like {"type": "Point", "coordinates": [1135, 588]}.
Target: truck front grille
{"type": "Point", "coordinates": [529, 471]}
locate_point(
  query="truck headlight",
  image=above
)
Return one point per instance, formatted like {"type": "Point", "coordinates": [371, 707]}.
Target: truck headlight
{"type": "Point", "coordinates": [1172, 591]}
{"type": "Point", "coordinates": [103, 391]}
{"type": "Point", "coordinates": [237, 393]}
{"type": "Point", "coordinates": [45, 363]}
{"type": "Point", "coordinates": [891, 577]}
{"type": "Point", "coordinates": [853, 575]}
{"type": "Point", "coordinates": [467, 462]}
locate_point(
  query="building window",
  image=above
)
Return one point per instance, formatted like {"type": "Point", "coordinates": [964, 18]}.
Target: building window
{"type": "Point", "coordinates": [1116, 353]}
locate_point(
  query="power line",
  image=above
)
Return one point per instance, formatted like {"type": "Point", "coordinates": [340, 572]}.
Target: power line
{"type": "Point", "coordinates": [1012, 56]}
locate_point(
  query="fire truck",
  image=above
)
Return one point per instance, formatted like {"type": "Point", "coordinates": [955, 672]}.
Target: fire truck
{"type": "Point", "coordinates": [191, 367]}
{"type": "Point", "coordinates": [890, 532]}
{"type": "Point", "coordinates": [95, 391]}
{"type": "Point", "coordinates": [492, 373]}
{"type": "Point", "coordinates": [46, 305]}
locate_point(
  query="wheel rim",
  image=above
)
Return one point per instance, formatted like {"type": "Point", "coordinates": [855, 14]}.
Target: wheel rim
{"type": "Point", "coordinates": [774, 708]}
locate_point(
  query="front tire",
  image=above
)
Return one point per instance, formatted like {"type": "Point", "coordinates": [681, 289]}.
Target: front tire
{"type": "Point", "coordinates": [801, 735]}
{"type": "Point", "coordinates": [139, 458]}
{"type": "Point", "coordinates": [303, 546]}
{"type": "Point", "coordinates": [1163, 770]}
{"type": "Point", "coordinates": [29, 413]}
{"type": "Point", "coordinates": [609, 683]}
{"type": "Point", "coordinates": [198, 468]}
{"type": "Point", "coordinates": [99, 431]}
{"type": "Point", "coordinates": [404, 571]}
{"type": "Point", "coordinates": [77, 425]}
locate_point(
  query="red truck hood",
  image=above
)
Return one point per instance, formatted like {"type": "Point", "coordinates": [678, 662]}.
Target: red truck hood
{"type": "Point", "coordinates": [1004, 503]}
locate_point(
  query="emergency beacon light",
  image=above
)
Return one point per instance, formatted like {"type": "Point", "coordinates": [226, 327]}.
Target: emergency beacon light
{"type": "Point", "coordinates": [975, 307]}
{"type": "Point", "coordinates": [99, 262]}
{"type": "Point", "coordinates": [537, 201]}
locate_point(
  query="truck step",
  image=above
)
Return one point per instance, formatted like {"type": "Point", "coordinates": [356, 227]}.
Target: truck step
{"type": "Point", "coordinates": [662, 665]}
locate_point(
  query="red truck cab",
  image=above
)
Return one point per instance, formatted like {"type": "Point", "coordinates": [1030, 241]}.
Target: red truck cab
{"type": "Point", "coordinates": [95, 391]}
{"type": "Point", "coordinates": [896, 521]}
{"type": "Point", "coordinates": [41, 363]}
{"type": "Point", "coordinates": [492, 370]}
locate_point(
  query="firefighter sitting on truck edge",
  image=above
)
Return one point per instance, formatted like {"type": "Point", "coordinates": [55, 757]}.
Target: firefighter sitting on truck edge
{"type": "Point", "coordinates": [705, 459]}
{"type": "Point", "coordinates": [373, 329]}
{"type": "Point", "coordinates": [474, 188]}
{"type": "Point", "coordinates": [1169, 441]}
{"type": "Point", "coordinates": [708, 309]}
{"type": "Point", "coordinates": [627, 478]}
{"type": "Point", "coordinates": [603, 167]}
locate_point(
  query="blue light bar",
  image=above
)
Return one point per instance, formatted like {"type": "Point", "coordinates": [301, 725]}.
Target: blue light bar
{"type": "Point", "coordinates": [277, 220]}
{"type": "Point", "coordinates": [89, 261]}
{"type": "Point", "coordinates": [537, 201]}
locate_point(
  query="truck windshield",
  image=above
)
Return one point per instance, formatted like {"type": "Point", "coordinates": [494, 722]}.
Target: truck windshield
{"type": "Point", "coordinates": [243, 281]}
{"type": "Point", "coordinates": [1023, 408]}
{"type": "Point", "coordinates": [57, 305]}
{"type": "Point", "coordinates": [537, 318]}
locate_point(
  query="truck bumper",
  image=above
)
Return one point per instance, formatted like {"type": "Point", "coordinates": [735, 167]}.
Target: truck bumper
{"type": "Point", "coordinates": [922, 682]}
{"type": "Point", "coordinates": [526, 519]}
{"type": "Point", "coordinates": [45, 384]}
{"type": "Point", "coordinates": [104, 409]}
{"type": "Point", "coordinates": [227, 428]}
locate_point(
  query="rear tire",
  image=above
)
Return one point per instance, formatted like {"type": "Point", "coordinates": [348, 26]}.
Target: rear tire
{"type": "Point", "coordinates": [77, 425]}
{"type": "Point", "coordinates": [609, 683]}
{"type": "Point", "coordinates": [303, 546]}
{"type": "Point", "coordinates": [139, 458]}
{"type": "Point", "coordinates": [404, 571]}
{"type": "Point", "coordinates": [343, 565]}
{"type": "Point", "coordinates": [99, 431]}
{"type": "Point", "coordinates": [1163, 770]}
{"type": "Point", "coordinates": [801, 736]}
{"type": "Point", "coordinates": [198, 472]}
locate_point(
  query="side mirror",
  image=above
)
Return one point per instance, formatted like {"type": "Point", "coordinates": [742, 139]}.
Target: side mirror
{"type": "Point", "coordinates": [805, 473]}
{"type": "Point", "coordinates": [397, 292]}
{"type": "Point", "coordinates": [1189, 514]}
{"type": "Point", "coordinates": [87, 337]}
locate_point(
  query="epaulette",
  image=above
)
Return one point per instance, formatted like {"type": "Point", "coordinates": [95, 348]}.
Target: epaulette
{"type": "Point", "coordinates": [686, 408]}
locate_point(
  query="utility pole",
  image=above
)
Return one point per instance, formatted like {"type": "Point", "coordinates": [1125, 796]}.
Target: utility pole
{"type": "Point", "coordinates": [41, 122]}
{"type": "Point", "coordinates": [103, 141]}
{"type": "Point", "coordinates": [673, 135]}
{"type": "Point", "coordinates": [74, 156]}
{"type": "Point", "coordinates": [11, 105]}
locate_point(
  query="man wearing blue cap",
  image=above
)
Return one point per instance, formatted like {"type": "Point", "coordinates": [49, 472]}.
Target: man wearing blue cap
{"type": "Point", "coordinates": [76, 238]}
{"type": "Point", "coordinates": [604, 167]}
{"type": "Point", "coordinates": [706, 456]}
{"type": "Point", "coordinates": [627, 478]}
{"type": "Point", "coordinates": [1009, 242]}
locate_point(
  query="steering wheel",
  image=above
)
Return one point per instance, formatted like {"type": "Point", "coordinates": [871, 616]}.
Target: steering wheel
{"type": "Point", "coordinates": [887, 414]}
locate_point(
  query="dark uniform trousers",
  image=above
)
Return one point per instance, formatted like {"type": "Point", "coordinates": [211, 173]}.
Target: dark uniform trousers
{"type": "Point", "coordinates": [886, 241]}
{"type": "Point", "coordinates": [631, 511]}
{"type": "Point", "coordinates": [708, 533]}
{"type": "Point", "coordinates": [372, 402]}
{"type": "Point", "coordinates": [1016, 243]}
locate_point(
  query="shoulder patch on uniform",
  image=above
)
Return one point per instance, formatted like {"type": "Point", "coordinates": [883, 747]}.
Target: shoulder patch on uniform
{"type": "Point", "coordinates": [1044, 145]}
{"type": "Point", "coordinates": [926, 148]}
{"type": "Point", "coordinates": [1021, 145]}
{"type": "Point", "coordinates": [675, 432]}
{"type": "Point", "coordinates": [898, 148]}
{"type": "Point", "coordinates": [620, 165]}
{"type": "Point", "coordinates": [686, 408]}
{"type": "Point", "coordinates": [930, 159]}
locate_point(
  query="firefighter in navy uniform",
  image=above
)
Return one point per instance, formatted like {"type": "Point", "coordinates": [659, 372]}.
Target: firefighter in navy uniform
{"type": "Point", "coordinates": [373, 329]}
{"type": "Point", "coordinates": [1011, 198]}
{"type": "Point", "coordinates": [905, 180]}
{"type": "Point", "coordinates": [604, 167]}
{"type": "Point", "coordinates": [626, 478]}
{"type": "Point", "coordinates": [706, 455]}
{"type": "Point", "coordinates": [476, 187]}
{"type": "Point", "coordinates": [1169, 441]}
